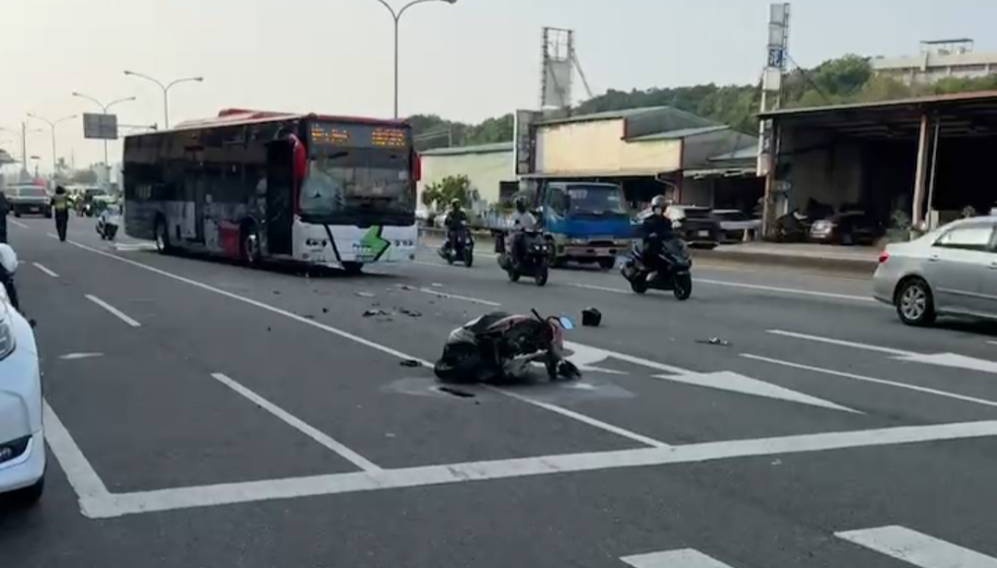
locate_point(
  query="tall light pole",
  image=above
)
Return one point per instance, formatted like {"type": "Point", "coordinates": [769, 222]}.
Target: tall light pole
{"type": "Point", "coordinates": [52, 124]}
{"type": "Point", "coordinates": [166, 90]}
{"type": "Point", "coordinates": [107, 165]}
{"type": "Point", "coordinates": [397, 16]}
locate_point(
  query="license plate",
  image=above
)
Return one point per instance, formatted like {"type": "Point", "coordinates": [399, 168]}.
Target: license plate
{"type": "Point", "coordinates": [703, 233]}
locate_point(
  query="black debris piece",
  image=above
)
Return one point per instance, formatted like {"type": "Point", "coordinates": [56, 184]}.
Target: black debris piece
{"type": "Point", "coordinates": [276, 292]}
{"type": "Point", "coordinates": [374, 312]}
{"type": "Point", "coordinates": [268, 328]}
{"type": "Point", "coordinates": [410, 313]}
{"type": "Point", "coordinates": [457, 392]}
{"type": "Point", "coordinates": [591, 317]}
{"type": "Point", "coordinates": [715, 341]}
{"type": "Point", "coordinates": [406, 287]}
{"type": "Point", "coordinates": [309, 316]}
{"type": "Point", "coordinates": [325, 310]}
{"type": "Point", "coordinates": [412, 363]}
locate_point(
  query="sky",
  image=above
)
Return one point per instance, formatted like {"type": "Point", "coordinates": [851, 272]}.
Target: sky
{"type": "Point", "coordinates": [468, 61]}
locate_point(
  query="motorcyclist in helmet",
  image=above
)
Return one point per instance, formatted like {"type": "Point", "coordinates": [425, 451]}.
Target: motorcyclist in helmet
{"type": "Point", "coordinates": [522, 220]}
{"type": "Point", "coordinates": [655, 230]}
{"type": "Point", "coordinates": [454, 221]}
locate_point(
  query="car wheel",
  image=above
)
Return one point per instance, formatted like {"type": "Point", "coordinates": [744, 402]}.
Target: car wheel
{"type": "Point", "coordinates": [914, 302]}
{"type": "Point", "coordinates": [163, 237]}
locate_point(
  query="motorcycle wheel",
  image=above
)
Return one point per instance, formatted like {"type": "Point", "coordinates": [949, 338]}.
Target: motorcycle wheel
{"type": "Point", "coordinates": [567, 370]}
{"type": "Point", "coordinates": [458, 365]}
{"type": "Point", "coordinates": [469, 258]}
{"type": "Point", "coordinates": [449, 257]}
{"type": "Point", "coordinates": [513, 274]}
{"type": "Point", "coordinates": [638, 284]}
{"type": "Point", "coordinates": [683, 286]}
{"type": "Point", "coordinates": [541, 275]}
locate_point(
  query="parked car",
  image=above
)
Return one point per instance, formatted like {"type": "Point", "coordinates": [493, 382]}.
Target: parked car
{"type": "Point", "coordinates": [29, 200]}
{"type": "Point", "coordinates": [696, 225]}
{"type": "Point", "coordinates": [734, 223]}
{"type": "Point", "coordinates": [846, 228]}
{"type": "Point", "coordinates": [22, 440]}
{"type": "Point", "coordinates": [949, 271]}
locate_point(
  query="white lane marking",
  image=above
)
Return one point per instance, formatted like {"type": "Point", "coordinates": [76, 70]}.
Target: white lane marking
{"type": "Point", "coordinates": [18, 223]}
{"type": "Point", "coordinates": [45, 269]}
{"type": "Point", "coordinates": [296, 317]}
{"type": "Point", "coordinates": [115, 311]}
{"type": "Point", "coordinates": [916, 548]}
{"type": "Point", "coordinates": [683, 558]}
{"type": "Point", "coordinates": [992, 342]}
{"type": "Point", "coordinates": [76, 356]}
{"type": "Point", "coordinates": [781, 290]}
{"type": "Point", "coordinates": [587, 420]}
{"type": "Point", "coordinates": [81, 476]}
{"type": "Point", "coordinates": [853, 344]}
{"type": "Point", "coordinates": [298, 424]}
{"type": "Point", "coordinates": [599, 288]}
{"type": "Point", "coordinates": [229, 493]}
{"type": "Point", "coordinates": [586, 355]}
{"type": "Point", "coordinates": [435, 292]}
{"type": "Point", "coordinates": [736, 382]}
{"type": "Point", "coordinates": [953, 360]}
{"type": "Point", "coordinates": [926, 390]}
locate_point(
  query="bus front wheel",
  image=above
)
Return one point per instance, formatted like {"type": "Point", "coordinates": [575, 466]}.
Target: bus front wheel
{"type": "Point", "coordinates": [250, 249]}
{"type": "Point", "coordinates": [353, 268]}
{"type": "Point", "coordinates": [162, 237]}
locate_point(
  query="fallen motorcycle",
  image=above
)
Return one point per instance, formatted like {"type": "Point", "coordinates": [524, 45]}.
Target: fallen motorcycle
{"type": "Point", "coordinates": [499, 346]}
{"type": "Point", "coordinates": [671, 273]}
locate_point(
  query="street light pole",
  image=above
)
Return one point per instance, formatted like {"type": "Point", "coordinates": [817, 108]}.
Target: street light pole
{"type": "Point", "coordinates": [397, 17]}
{"type": "Point", "coordinates": [107, 165]}
{"type": "Point", "coordinates": [52, 124]}
{"type": "Point", "coordinates": [166, 89]}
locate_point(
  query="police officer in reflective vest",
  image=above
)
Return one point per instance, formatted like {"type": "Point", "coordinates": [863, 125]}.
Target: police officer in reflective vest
{"type": "Point", "coordinates": [60, 206]}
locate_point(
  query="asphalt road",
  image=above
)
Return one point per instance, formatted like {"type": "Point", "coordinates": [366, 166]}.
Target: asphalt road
{"type": "Point", "coordinates": [205, 414]}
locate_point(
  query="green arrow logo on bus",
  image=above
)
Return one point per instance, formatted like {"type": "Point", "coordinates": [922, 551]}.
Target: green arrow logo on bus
{"type": "Point", "coordinates": [373, 242]}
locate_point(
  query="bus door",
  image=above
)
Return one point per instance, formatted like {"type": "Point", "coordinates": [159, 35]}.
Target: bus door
{"type": "Point", "coordinates": [280, 206]}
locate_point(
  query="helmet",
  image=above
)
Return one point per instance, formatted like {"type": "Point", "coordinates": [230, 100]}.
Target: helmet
{"type": "Point", "coordinates": [455, 203]}
{"type": "Point", "coordinates": [659, 202]}
{"type": "Point", "coordinates": [520, 204]}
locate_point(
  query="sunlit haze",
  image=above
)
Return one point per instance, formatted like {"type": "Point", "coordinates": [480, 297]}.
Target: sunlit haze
{"type": "Point", "coordinates": [469, 61]}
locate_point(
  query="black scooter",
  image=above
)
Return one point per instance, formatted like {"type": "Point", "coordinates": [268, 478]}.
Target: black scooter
{"type": "Point", "coordinates": [462, 247]}
{"type": "Point", "coordinates": [671, 273]}
{"type": "Point", "coordinates": [535, 262]}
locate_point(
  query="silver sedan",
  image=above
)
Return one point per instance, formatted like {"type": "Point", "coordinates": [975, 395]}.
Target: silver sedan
{"type": "Point", "coordinates": [949, 271]}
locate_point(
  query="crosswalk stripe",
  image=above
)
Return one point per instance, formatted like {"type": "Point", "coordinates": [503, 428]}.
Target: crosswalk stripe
{"type": "Point", "coordinates": [683, 558]}
{"type": "Point", "coordinates": [918, 549]}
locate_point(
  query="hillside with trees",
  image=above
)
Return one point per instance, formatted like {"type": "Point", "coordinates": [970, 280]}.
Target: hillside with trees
{"type": "Point", "coordinates": [847, 79]}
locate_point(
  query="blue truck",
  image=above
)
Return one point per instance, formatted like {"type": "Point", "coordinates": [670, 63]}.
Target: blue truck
{"type": "Point", "coordinates": [588, 222]}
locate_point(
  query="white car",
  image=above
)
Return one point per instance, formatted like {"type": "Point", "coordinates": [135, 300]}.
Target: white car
{"type": "Point", "coordinates": [22, 440]}
{"type": "Point", "coordinates": [949, 271]}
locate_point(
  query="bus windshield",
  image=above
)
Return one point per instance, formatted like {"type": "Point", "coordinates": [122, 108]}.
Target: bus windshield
{"type": "Point", "coordinates": [595, 200]}
{"type": "Point", "coordinates": [357, 181]}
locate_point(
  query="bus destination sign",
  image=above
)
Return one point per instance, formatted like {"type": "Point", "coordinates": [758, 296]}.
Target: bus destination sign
{"type": "Point", "coordinates": [357, 135]}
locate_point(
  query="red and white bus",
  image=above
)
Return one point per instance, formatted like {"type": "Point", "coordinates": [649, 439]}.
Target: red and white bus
{"type": "Point", "coordinates": [257, 186]}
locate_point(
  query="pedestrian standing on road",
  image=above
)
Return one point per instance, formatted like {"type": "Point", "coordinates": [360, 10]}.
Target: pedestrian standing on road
{"type": "Point", "coordinates": [4, 209]}
{"type": "Point", "coordinates": [60, 205]}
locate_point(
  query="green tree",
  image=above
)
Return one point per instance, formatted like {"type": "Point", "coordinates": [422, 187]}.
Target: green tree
{"type": "Point", "coordinates": [438, 195]}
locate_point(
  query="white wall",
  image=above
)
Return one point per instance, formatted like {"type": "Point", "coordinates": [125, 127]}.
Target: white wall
{"type": "Point", "coordinates": [485, 170]}
{"type": "Point", "coordinates": [598, 146]}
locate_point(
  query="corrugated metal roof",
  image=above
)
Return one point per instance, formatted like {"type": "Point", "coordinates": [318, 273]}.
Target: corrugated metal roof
{"type": "Point", "coordinates": [746, 153]}
{"type": "Point", "coordinates": [461, 150]}
{"type": "Point", "coordinates": [975, 96]}
{"type": "Point", "coordinates": [680, 133]}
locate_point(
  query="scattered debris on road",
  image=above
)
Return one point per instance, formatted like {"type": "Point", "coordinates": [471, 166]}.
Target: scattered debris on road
{"type": "Point", "coordinates": [715, 341]}
{"type": "Point", "coordinates": [325, 310]}
{"type": "Point", "coordinates": [410, 313]}
{"type": "Point", "coordinates": [406, 287]}
{"type": "Point", "coordinates": [276, 292]}
{"type": "Point", "coordinates": [309, 316]}
{"type": "Point", "coordinates": [457, 392]}
{"type": "Point", "coordinates": [411, 363]}
{"type": "Point", "coordinates": [366, 294]}
{"type": "Point", "coordinates": [374, 312]}
{"type": "Point", "coordinates": [591, 317]}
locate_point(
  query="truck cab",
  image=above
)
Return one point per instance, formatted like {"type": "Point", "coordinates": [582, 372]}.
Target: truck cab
{"type": "Point", "coordinates": [588, 222]}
